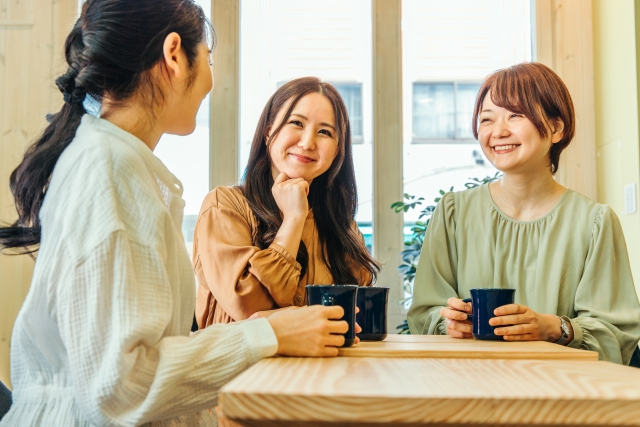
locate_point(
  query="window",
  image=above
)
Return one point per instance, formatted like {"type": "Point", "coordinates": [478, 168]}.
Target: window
{"type": "Point", "coordinates": [442, 111]}
{"type": "Point", "coordinates": [351, 93]}
{"type": "Point", "coordinates": [281, 40]}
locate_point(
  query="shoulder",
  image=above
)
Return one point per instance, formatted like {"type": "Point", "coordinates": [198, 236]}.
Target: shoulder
{"type": "Point", "coordinates": [224, 197]}
{"type": "Point", "coordinates": [455, 202]}
{"type": "Point", "coordinates": [578, 208]}
{"type": "Point", "coordinates": [99, 185]}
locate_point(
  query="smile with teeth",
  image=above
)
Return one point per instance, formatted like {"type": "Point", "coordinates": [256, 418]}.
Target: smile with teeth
{"type": "Point", "coordinates": [505, 147]}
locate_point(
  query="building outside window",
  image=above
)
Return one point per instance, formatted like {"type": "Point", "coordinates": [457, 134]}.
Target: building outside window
{"type": "Point", "coordinates": [442, 112]}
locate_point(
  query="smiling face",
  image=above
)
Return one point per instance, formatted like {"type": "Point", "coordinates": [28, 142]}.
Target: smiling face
{"type": "Point", "coordinates": [511, 142]}
{"type": "Point", "coordinates": [307, 144]}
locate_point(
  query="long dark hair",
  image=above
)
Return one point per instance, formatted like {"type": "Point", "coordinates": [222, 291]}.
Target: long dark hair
{"type": "Point", "coordinates": [110, 51]}
{"type": "Point", "coordinates": [333, 195]}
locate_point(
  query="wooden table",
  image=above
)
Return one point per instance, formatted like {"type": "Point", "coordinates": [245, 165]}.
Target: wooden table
{"type": "Point", "coordinates": [443, 346]}
{"type": "Point", "coordinates": [365, 391]}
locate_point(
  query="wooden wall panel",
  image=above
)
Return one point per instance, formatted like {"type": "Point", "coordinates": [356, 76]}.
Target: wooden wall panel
{"type": "Point", "coordinates": [564, 33]}
{"type": "Point", "coordinates": [32, 34]}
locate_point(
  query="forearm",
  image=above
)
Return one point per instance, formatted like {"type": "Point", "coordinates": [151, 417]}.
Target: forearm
{"type": "Point", "coordinates": [290, 233]}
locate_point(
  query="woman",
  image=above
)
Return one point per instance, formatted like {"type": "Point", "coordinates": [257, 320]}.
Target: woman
{"type": "Point", "coordinates": [563, 253]}
{"type": "Point", "coordinates": [291, 223]}
{"type": "Point", "coordinates": [103, 336]}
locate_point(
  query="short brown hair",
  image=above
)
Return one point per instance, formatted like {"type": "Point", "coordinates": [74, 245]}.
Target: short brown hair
{"type": "Point", "coordinates": [534, 90]}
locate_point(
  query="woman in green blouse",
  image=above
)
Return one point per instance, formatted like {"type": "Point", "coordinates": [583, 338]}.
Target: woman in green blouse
{"type": "Point", "coordinates": [563, 253]}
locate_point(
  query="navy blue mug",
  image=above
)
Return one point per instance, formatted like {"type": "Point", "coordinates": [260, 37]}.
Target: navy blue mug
{"type": "Point", "coordinates": [342, 295]}
{"type": "Point", "coordinates": [372, 317]}
{"type": "Point", "coordinates": [483, 304]}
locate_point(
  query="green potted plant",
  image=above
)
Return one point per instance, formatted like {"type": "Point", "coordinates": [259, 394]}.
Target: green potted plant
{"type": "Point", "coordinates": [411, 254]}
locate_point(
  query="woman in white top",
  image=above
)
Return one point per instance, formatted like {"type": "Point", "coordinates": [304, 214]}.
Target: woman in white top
{"type": "Point", "coordinates": [103, 336]}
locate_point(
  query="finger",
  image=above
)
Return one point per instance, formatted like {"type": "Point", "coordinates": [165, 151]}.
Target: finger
{"type": "Point", "coordinates": [448, 313]}
{"type": "Point", "coordinates": [457, 334]}
{"type": "Point", "coordinates": [327, 352]}
{"type": "Point", "coordinates": [525, 328]}
{"type": "Point", "coordinates": [282, 177]}
{"type": "Point", "coordinates": [510, 309]}
{"type": "Point", "coordinates": [357, 310]}
{"type": "Point", "coordinates": [512, 319]}
{"type": "Point", "coordinates": [465, 327]}
{"type": "Point", "coordinates": [334, 312]}
{"type": "Point", "coordinates": [334, 341]}
{"type": "Point", "coordinates": [338, 327]}
{"type": "Point", "coordinates": [358, 328]}
{"type": "Point", "coordinates": [523, 337]}
{"type": "Point", "coordinates": [458, 304]}
{"type": "Point", "coordinates": [357, 340]}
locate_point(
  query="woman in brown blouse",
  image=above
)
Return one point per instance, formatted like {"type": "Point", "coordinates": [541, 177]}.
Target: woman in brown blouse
{"type": "Point", "coordinates": [291, 222]}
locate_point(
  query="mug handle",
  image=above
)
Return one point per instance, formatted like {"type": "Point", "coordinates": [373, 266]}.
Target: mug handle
{"type": "Point", "coordinates": [328, 299]}
{"type": "Point", "coordinates": [469, 316]}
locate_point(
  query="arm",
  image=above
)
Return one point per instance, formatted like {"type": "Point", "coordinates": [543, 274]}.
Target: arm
{"type": "Point", "coordinates": [436, 278]}
{"type": "Point", "coordinates": [114, 312]}
{"type": "Point", "coordinates": [243, 278]}
{"type": "Point", "coordinates": [606, 303]}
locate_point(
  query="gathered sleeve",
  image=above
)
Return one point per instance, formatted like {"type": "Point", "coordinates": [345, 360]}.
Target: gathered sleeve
{"type": "Point", "coordinates": [130, 366]}
{"type": "Point", "coordinates": [606, 303]}
{"type": "Point", "coordinates": [436, 279]}
{"type": "Point", "coordinates": [243, 278]}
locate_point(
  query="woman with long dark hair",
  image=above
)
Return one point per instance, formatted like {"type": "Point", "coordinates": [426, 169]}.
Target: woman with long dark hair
{"type": "Point", "coordinates": [103, 336]}
{"type": "Point", "coordinates": [292, 221]}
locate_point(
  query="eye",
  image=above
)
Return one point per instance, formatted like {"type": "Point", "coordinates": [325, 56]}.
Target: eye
{"type": "Point", "coordinates": [515, 115]}
{"type": "Point", "coordinates": [295, 123]}
{"type": "Point", "coordinates": [326, 132]}
{"type": "Point", "coordinates": [484, 120]}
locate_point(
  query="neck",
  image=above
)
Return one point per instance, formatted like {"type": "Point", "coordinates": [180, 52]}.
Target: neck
{"type": "Point", "coordinates": [132, 117]}
{"type": "Point", "coordinates": [526, 196]}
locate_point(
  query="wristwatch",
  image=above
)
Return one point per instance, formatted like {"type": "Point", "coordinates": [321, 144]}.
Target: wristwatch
{"type": "Point", "coordinates": [565, 328]}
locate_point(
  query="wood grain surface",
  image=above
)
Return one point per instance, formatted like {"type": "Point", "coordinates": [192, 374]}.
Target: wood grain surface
{"type": "Point", "coordinates": [442, 346]}
{"type": "Point", "coordinates": [370, 391]}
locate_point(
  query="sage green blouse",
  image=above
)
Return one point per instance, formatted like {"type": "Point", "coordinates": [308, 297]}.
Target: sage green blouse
{"type": "Point", "coordinates": [572, 262]}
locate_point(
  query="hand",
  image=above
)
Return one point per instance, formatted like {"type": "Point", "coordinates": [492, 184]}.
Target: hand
{"type": "Point", "coordinates": [456, 318]}
{"type": "Point", "coordinates": [291, 196]}
{"type": "Point", "coordinates": [519, 323]}
{"type": "Point", "coordinates": [309, 331]}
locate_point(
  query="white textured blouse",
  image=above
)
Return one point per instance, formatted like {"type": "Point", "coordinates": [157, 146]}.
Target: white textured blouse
{"type": "Point", "coordinates": [103, 336]}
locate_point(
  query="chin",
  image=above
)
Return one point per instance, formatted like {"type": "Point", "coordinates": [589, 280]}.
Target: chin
{"type": "Point", "coordinates": [182, 130]}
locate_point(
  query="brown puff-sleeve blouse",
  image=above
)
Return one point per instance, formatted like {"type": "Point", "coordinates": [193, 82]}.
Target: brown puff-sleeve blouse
{"type": "Point", "coordinates": [237, 278]}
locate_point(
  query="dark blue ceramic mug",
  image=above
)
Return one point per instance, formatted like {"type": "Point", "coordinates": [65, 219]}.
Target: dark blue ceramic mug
{"type": "Point", "coordinates": [342, 295]}
{"type": "Point", "coordinates": [372, 317]}
{"type": "Point", "coordinates": [483, 303]}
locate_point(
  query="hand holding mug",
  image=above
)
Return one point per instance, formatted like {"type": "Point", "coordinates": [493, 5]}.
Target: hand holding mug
{"type": "Point", "coordinates": [291, 196]}
{"type": "Point", "coordinates": [309, 331]}
{"type": "Point", "coordinates": [517, 322]}
{"type": "Point", "coordinates": [458, 326]}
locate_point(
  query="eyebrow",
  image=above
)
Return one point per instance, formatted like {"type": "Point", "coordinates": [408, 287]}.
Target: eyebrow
{"type": "Point", "coordinates": [321, 124]}
{"type": "Point", "coordinates": [487, 111]}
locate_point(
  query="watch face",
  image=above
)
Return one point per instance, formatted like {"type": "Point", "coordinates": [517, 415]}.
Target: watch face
{"type": "Point", "coordinates": [565, 327]}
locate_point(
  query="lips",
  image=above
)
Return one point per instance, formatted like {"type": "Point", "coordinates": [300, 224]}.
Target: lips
{"type": "Point", "coordinates": [302, 158]}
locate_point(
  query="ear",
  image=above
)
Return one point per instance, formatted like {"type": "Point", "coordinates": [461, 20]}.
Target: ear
{"type": "Point", "coordinates": [558, 130]}
{"type": "Point", "coordinates": [172, 55]}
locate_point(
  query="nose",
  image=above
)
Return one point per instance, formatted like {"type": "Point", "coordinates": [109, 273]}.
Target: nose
{"type": "Point", "coordinates": [307, 140]}
{"type": "Point", "coordinates": [500, 129]}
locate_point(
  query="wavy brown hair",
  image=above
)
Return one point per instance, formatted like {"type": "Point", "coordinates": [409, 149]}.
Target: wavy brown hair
{"type": "Point", "coordinates": [535, 91]}
{"type": "Point", "coordinates": [333, 196]}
